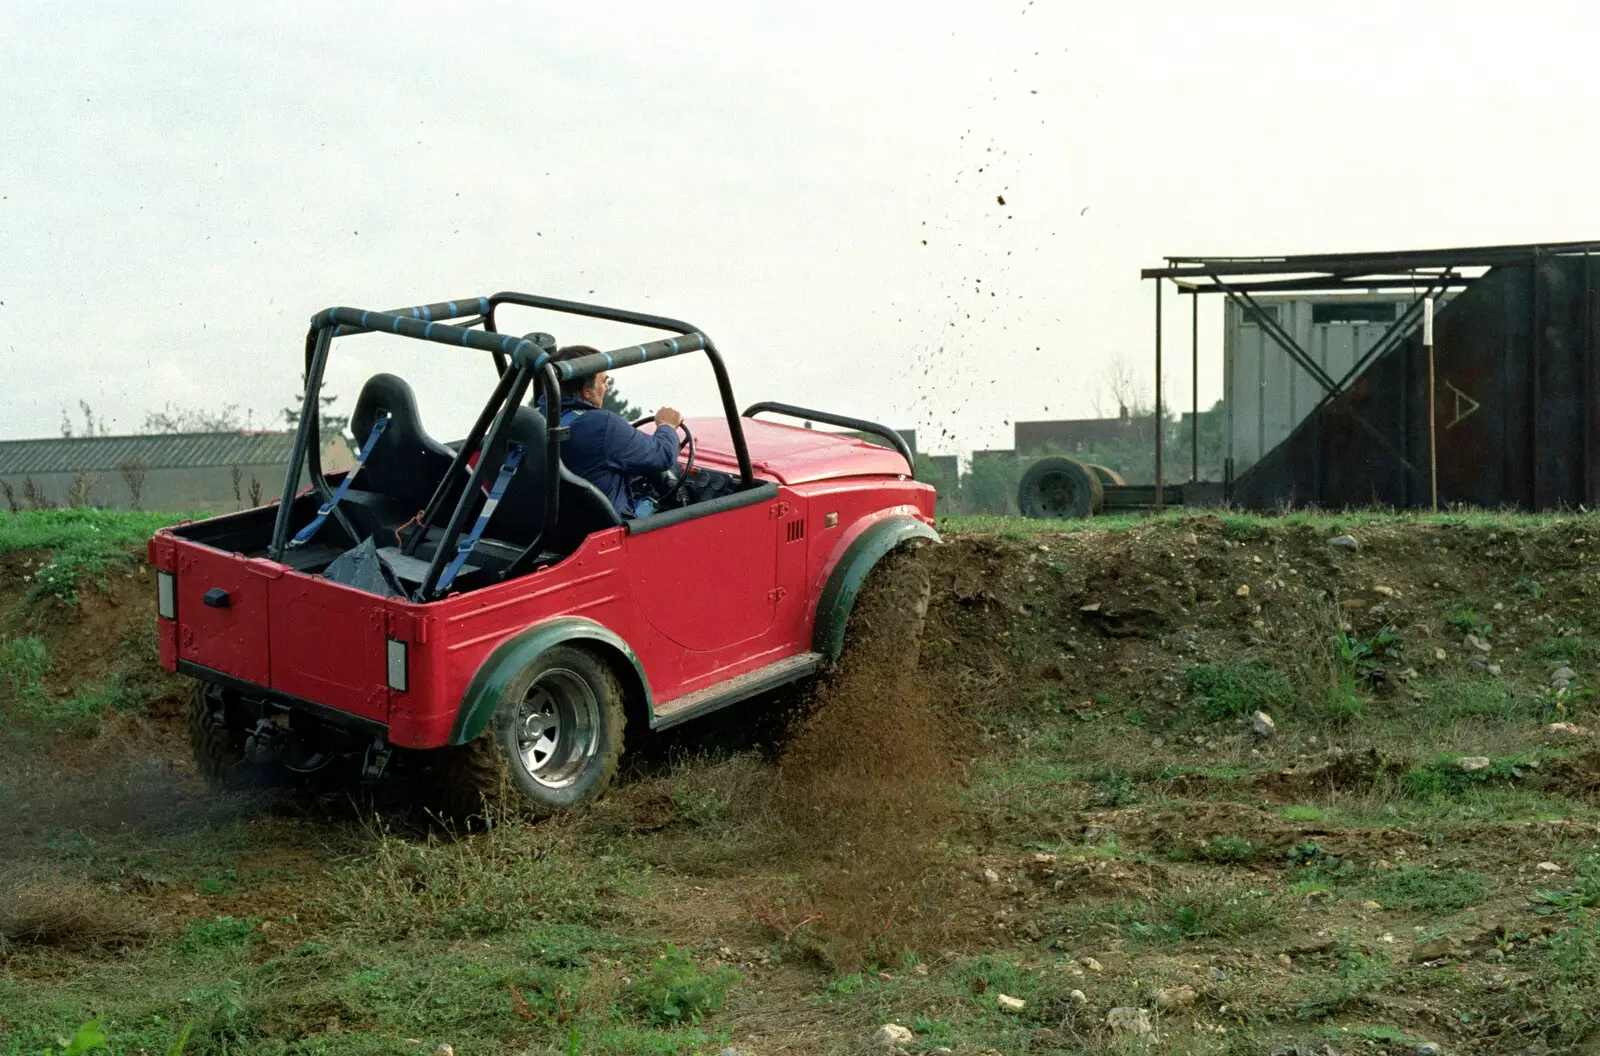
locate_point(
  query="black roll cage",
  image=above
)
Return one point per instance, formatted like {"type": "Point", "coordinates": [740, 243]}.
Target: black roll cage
{"type": "Point", "coordinates": [520, 361]}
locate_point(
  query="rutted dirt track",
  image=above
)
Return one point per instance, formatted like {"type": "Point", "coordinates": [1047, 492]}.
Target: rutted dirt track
{"type": "Point", "coordinates": [1066, 802]}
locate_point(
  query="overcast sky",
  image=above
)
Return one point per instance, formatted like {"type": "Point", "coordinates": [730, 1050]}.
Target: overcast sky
{"type": "Point", "coordinates": [816, 185]}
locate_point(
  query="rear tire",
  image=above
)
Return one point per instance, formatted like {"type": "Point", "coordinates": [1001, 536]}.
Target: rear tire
{"type": "Point", "coordinates": [218, 748]}
{"type": "Point", "coordinates": [553, 745]}
{"type": "Point", "coordinates": [1059, 488]}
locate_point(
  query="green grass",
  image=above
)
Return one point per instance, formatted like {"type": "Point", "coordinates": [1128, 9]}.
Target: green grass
{"type": "Point", "coordinates": [23, 663]}
{"type": "Point", "coordinates": [1173, 918]}
{"type": "Point", "coordinates": [75, 528]}
{"type": "Point", "coordinates": [1230, 690]}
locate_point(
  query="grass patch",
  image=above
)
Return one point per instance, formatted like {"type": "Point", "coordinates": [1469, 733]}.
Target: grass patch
{"type": "Point", "coordinates": [1444, 777]}
{"type": "Point", "coordinates": [1413, 888]}
{"type": "Point", "coordinates": [80, 529]}
{"type": "Point", "coordinates": [1228, 691]}
{"type": "Point", "coordinates": [1172, 918]}
{"type": "Point", "coordinates": [676, 990]}
{"type": "Point", "coordinates": [23, 663]}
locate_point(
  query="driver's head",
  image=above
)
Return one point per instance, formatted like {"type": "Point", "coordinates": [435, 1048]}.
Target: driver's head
{"type": "Point", "coordinates": [591, 390]}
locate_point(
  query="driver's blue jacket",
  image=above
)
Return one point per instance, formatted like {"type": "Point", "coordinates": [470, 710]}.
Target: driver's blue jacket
{"type": "Point", "coordinates": [610, 454]}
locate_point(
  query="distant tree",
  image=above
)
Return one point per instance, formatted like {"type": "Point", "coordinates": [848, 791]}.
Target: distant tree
{"type": "Point", "coordinates": [173, 419]}
{"type": "Point", "coordinates": [327, 421]}
{"type": "Point", "coordinates": [92, 426]}
{"type": "Point", "coordinates": [133, 474]}
{"type": "Point", "coordinates": [11, 496]}
{"type": "Point", "coordinates": [613, 401]}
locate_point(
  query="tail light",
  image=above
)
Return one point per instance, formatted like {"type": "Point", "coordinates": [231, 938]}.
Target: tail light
{"type": "Point", "coordinates": [166, 596]}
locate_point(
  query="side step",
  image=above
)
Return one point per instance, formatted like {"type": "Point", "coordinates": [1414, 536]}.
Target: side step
{"type": "Point", "coordinates": [704, 701]}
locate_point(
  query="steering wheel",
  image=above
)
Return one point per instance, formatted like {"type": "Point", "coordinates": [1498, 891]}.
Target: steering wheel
{"type": "Point", "coordinates": [688, 465]}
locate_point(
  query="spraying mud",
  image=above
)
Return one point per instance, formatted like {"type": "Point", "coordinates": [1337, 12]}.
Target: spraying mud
{"type": "Point", "coordinates": [868, 780]}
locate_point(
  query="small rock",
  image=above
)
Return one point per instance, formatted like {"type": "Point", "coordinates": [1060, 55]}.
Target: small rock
{"type": "Point", "coordinates": [733, 1052]}
{"type": "Point", "coordinates": [1218, 974]}
{"type": "Point", "coordinates": [1262, 724]}
{"type": "Point", "coordinates": [920, 969]}
{"type": "Point", "coordinates": [1175, 997]}
{"type": "Point", "coordinates": [1135, 1021]}
{"type": "Point", "coordinates": [1344, 542]}
{"type": "Point", "coordinates": [1010, 1004]}
{"type": "Point", "coordinates": [1478, 643]}
{"type": "Point", "coordinates": [1044, 858]}
{"type": "Point", "coordinates": [990, 876]}
{"type": "Point", "coordinates": [1548, 867]}
{"type": "Point", "coordinates": [1494, 955]}
{"type": "Point", "coordinates": [1243, 591]}
{"type": "Point", "coordinates": [1439, 655]}
{"type": "Point", "coordinates": [444, 1050]}
{"type": "Point", "coordinates": [1031, 930]}
{"type": "Point", "coordinates": [1570, 729]}
{"type": "Point", "coordinates": [1285, 960]}
{"type": "Point", "coordinates": [942, 1050]}
{"type": "Point", "coordinates": [1091, 964]}
{"type": "Point", "coordinates": [885, 977]}
{"type": "Point", "coordinates": [1428, 1048]}
{"type": "Point", "coordinates": [1388, 592]}
{"type": "Point", "coordinates": [1434, 949]}
{"type": "Point", "coordinates": [1077, 997]}
{"type": "Point", "coordinates": [891, 1036]}
{"type": "Point", "coordinates": [1471, 764]}
{"type": "Point", "coordinates": [1157, 742]}
{"type": "Point", "coordinates": [1563, 676]}
{"type": "Point", "coordinates": [1370, 904]}
{"type": "Point", "coordinates": [1494, 669]}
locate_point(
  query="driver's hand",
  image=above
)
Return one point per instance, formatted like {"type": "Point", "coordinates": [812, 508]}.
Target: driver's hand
{"type": "Point", "coordinates": [668, 416]}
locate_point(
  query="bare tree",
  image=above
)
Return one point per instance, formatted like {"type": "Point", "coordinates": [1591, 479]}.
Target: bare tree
{"type": "Point", "coordinates": [255, 491]}
{"type": "Point", "coordinates": [81, 483]}
{"type": "Point", "coordinates": [1120, 384]}
{"type": "Point", "coordinates": [172, 419]}
{"type": "Point", "coordinates": [133, 474]}
{"type": "Point", "coordinates": [11, 496]}
{"type": "Point", "coordinates": [238, 475]}
{"type": "Point", "coordinates": [33, 496]}
{"type": "Point", "coordinates": [92, 426]}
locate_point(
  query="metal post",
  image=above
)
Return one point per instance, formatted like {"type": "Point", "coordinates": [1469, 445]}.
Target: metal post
{"type": "Point", "coordinates": [1433, 407]}
{"type": "Point", "coordinates": [1158, 396]}
{"type": "Point", "coordinates": [1194, 383]}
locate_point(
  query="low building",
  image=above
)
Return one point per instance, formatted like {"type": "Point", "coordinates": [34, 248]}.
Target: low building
{"type": "Point", "coordinates": [1065, 436]}
{"type": "Point", "coordinates": [213, 472]}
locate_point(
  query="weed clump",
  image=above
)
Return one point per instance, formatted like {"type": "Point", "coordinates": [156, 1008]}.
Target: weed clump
{"type": "Point", "coordinates": [676, 990]}
{"type": "Point", "coordinates": [1229, 691]}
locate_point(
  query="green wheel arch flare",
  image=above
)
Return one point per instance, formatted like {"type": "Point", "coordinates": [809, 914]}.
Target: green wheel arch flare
{"type": "Point", "coordinates": [844, 582]}
{"type": "Point", "coordinates": [483, 693]}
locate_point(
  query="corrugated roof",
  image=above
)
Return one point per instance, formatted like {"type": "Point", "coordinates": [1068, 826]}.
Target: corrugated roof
{"type": "Point", "coordinates": [160, 451]}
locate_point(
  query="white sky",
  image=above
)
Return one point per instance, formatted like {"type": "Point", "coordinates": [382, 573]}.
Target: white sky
{"type": "Point", "coordinates": [182, 186]}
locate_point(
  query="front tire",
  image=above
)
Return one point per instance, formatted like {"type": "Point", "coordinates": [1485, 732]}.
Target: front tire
{"type": "Point", "coordinates": [553, 745]}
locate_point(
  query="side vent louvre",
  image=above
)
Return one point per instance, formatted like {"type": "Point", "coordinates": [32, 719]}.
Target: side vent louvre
{"type": "Point", "coordinates": [795, 531]}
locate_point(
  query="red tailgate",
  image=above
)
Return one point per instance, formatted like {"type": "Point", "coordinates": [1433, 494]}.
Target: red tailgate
{"type": "Point", "coordinates": [228, 633]}
{"type": "Point", "coordinates": [328, 645]}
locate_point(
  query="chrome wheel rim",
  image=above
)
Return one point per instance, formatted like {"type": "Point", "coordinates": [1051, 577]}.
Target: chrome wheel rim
{"type": "Point", "coordinates": [557, 727]}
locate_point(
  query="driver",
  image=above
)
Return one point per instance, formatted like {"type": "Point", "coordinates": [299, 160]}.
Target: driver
{"type": "Point", "coordinates": [603, 448]}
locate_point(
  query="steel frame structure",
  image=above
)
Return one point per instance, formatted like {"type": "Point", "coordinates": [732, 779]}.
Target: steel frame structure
{"type": "Point", "coordinates": [1423, 273]}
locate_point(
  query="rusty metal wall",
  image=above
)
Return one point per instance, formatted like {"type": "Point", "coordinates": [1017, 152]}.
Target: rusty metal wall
{"type": "Point", "coordinates": [1515, 407]}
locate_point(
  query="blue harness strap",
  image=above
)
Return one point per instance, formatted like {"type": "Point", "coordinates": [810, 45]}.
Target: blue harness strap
{"type": "Point", "coordinates": [303, 536]}
{"type": "Point", "coordinates": [508, 469]}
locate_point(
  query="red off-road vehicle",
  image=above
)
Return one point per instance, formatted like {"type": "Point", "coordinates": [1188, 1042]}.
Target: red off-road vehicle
{"type": "Point", "coordinates": [479, 601]}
